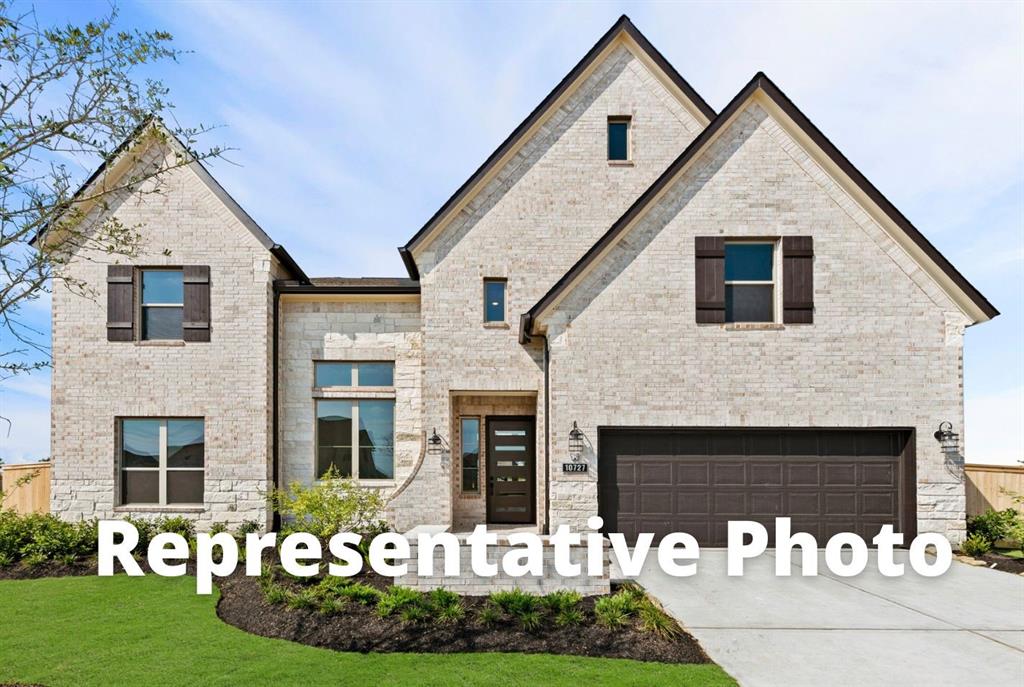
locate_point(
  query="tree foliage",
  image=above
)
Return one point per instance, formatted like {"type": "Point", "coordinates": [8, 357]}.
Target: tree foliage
{"type": "Point", "coordinates": [70, 98]}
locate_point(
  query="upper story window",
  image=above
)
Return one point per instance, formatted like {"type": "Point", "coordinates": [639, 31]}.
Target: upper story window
{"type": "Point", "coordinates": [494, 300]}
{"type": "Point", "coordinates": [749, 282]}
{"type": "Point", "coordinates": [162, 461]}
{"type": "Point", "coordinates": [327, 374]}
{"type": "Point", "coordinates": [163, 304]}
{"type": "Point", "coordinates": [618, 138]}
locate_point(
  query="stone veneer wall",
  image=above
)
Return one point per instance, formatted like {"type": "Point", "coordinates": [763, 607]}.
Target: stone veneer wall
{"type": "Point", "coordinates": [885, 349]}
{"type": "Point", "coordinates": [350, 330]}
{"type": "Point", "coordinates": [538, 215]}
{"type": "Point", "coordinates": [225, 381]}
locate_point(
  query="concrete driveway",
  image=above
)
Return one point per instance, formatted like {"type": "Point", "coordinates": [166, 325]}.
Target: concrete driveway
{"type": "Point", "coordinates": [963, 628]}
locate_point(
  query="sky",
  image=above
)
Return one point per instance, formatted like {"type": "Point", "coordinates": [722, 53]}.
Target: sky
{"type": "Point", "coordinates": [351, 123]}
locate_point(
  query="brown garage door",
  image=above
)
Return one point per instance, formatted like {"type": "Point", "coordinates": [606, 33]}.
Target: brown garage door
{"type": "Point", "coordinates": [695, 481]}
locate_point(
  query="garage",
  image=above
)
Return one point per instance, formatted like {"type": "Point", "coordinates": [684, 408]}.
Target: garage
{"type": "Point", "coordinates": [696, 480]}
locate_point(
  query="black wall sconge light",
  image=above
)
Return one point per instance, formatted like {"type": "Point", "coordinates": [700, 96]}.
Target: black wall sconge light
{"type": "Point", "coordinates": [947, 438]}
{"type": "Point", "coordinates": [434, 443]}
{"type": "Point", "coordinates": [575, 442]}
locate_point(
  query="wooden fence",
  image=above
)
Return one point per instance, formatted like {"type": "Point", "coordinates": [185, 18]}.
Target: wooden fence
{"type": "Point", "coordinates": [985, 485]}
{"type": "Point", "coordinates": [32, 496]}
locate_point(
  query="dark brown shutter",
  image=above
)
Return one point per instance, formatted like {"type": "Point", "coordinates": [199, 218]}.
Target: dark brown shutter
{"type": "Point", "coordinates": [797, 280]}
{"type": "Point", "coordinates": [120, 303]}
{"type": "Point", "coordinates": [710, 279]}
{"type": "Point", "coordinates": [196, 318]}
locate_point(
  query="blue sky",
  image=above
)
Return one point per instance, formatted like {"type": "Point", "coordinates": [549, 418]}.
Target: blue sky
{"type": "Point", "coordinates": [352, 123]}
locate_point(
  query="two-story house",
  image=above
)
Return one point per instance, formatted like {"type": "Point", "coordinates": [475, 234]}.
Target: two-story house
{"type": "Point", "coordinates": [636, 307]}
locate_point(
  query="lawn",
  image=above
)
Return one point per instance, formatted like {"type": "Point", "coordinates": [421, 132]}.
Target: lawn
{"type": "Point", "coordinates": [157, 631]}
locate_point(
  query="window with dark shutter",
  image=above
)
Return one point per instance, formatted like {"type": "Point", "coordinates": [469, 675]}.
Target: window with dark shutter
{"type": "Point", "coordinates": [120, 303]}
{"type": "Point", "coordinates": [710, 279]}
{"type": "Point", "coordinates": [797, 280]}
{"type": "Point", "coordinates": [196, 319]}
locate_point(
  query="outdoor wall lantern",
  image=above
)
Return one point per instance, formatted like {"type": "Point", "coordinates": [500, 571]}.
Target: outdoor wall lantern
{"type": "Point", "coordinates": [575, 442]}
{"type": "Point", "coordinates": [948, 439]}
{"type": "Point", "coordinates": [434, 443]}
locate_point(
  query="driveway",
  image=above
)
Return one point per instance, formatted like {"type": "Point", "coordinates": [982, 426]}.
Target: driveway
{"type": "Point", "coordinates": [963, 628]}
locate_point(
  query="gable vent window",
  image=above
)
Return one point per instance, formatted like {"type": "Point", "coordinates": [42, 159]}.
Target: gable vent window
{"type": "Point", "coordinates": [749, 282]}
{"type": "Point", "coordinates": [618, 139]}
{"type": "Point", "coordinates": [163, 305]}
{"type": "Point", "coordinates": [494, 300]}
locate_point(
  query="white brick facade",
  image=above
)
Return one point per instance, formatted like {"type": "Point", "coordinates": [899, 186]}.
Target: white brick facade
{"type": "Point", "coordinates": [885, 349]}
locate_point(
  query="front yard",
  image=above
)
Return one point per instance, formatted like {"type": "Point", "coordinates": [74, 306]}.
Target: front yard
{"type": "Point", "coordinates": [157, 631]}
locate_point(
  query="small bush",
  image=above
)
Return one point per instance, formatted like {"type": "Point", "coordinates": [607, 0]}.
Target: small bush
{"type": "Point", "coordinates": [38, 538]}
{"type": "Point", "coordinates": [397, 599]}
{"type": "Point", "coordinates": [562, 600]}
{"type": "Point", "coordinates": [218, 527]}
{"type": "Point", "coordinates": [307, 598]}
{"type": "Point", "coordinates": [332, 585]}
{"type": "Point", "coordinates": [530, 620]}
{"type": "Point", "coordinates": [332, 505]}
{"type": "Point", "coordinates": [177, 524]}
{"type": "Point", "coordinates": [616, 610]}
{"type": "Point", "coordinates": [568, 617]}
{"type": "Point", "coordinates": [361, 593]}
{"type": "Point", "coordinates": [146, 528]}
{"type": "Point", "coordinates": [414, 613]}
{"type": "Point", "coordinates": [333, 606]}
{"type": "Point", "coordinates": [275, 594]}
{"type": "Point", "coordinates": [654, 620]}
{"type": "Point", "coordinates": [514, 602]}
{"type": "Point", "coordinates": [992, 525]}
{"type": "Point", "coordinates": [248, 527]}
{"type": "Point", "coordinates": [489, 615]}
{"type": "Point", "coordinates": [976, 545]}
{"type": "Point", "coordinates": [34, 559]}
{"type": "Point", "coordinates": [450, 614]}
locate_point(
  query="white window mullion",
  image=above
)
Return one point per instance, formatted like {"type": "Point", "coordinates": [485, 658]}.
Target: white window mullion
{"type": "Point", "coordinates": [163, 463]}
{"type": "Point", "coordinates": [355, 438]}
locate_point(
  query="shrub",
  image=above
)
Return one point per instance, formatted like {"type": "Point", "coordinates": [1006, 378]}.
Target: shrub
{"type": "Point", "coordinates": [307, 598]}
{"type": "Point", "coordinates": [562, 600]}
{"type": "Point", "coordinates": [489, 615]}
{"type": "Point", "coordinates": [147, 530]}
{"type": "Point", "coordinates": [568, 617]}
{"type": "Point", "coordinates": [992, 525]}
{"type": "Point", "coordinates": [332, 585]}
{"type": "Point", "coordinates": [414, 613]}
{"type": "Point", "coordinates": [616, 610]}
{"type": "Point", "coordinates": [248, 527]}
{"type": "Point", "coordinates": [44, 538]}
{"type": "Point", "coordinates": [654, 620]}
{"type": "Point", "coordinates": [275, 593]}
{"type": "Point", "coordinates": [397, 599]}
{"type": "Point", "coordinates": [332, 505]}
{"type": "Point", "coordinates": [514, 602]}
{"type": "Point", "coordinates": [361, 593]}
{"type": "Point", "coordinates": [530, 620]}
{"type": "Point", "coordinates": [332, 606]}
{"type": "Point", "coordinates": [177, 524]}
{"type": "Point", "coordinates": [449, 614]}
{"type": "Point", "coordinates": [976, 545]}
{"type": "Point", "coordinates": [218, 527]}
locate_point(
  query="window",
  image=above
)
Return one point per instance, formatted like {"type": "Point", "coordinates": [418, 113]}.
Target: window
{"type": "Point", "coordinates": [618, 138]}
{"type": "Point", "coordinates": [494, 300]}
{"type": "Point", "coordinates": [163, 304]}
{"type": "Point", "coordinates": [162, 461]}
{"type": "Point", "coordinates": [364, 429]}
{"type": "Point", "coordinates": [470, 437]}
{"type": "Point", "coordinates": [749, 282]}
{"type": "Point", "coordinates": [328, 374]}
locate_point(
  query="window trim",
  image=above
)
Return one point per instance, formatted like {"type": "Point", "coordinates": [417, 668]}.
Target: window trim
{"type": "Point", "coordinates": [479, 454]}
{"type": "Point", "coordinates": [355, 375]}
{"type": "Point", "coordinates": [504, 300]}
{"type": "Point", "coordinates": [162, 468]}
{"type": "Point", "coordinates": [628, 121]}
{"type": "Point", "coordinates": [775, 282]}
{"type": "Point", "coordinates": [137, 284]}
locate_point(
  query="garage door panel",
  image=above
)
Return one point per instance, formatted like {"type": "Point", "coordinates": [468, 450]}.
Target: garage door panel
{"type": "Point", "coordinates": [766, 474]}
{"type": "Point", "coordinates": [695, 481]}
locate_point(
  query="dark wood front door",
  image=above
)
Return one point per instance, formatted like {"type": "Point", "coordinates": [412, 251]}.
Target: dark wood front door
{"type": "Point", "coordinates": [510, 470]}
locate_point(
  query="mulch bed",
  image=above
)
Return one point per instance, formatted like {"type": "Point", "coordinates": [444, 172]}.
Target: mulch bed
{"type": "Point", "coordinates": [1001, 562]}
{"type": "Point", "coordinates": [358, 628]}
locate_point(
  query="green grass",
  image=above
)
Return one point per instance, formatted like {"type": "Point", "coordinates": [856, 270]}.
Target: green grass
{"type": "Point", "coordinates": [1012, 553]}
{"type": "Point", "coordinates": [157, 631]}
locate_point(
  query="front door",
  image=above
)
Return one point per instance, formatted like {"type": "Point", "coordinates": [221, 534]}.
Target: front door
{"type": "Point", "coordinates": [510, 470]}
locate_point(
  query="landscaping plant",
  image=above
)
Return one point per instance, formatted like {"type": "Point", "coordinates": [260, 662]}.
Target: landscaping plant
{"type": "Point", "coordinates": [330, 506]}
{"type": "Point", "coordinates": [992, 525]}
{"type": "Point", "coordinates": [976, 545]}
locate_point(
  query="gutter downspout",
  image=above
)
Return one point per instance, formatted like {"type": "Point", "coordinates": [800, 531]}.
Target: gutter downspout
{"type": "Point", "coordinates": [276, 521]}
{"type": "Point", "coordinates": [547, 437]}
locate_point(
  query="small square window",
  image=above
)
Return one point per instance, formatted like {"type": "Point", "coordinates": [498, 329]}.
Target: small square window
{"type": "Point", "coordinates": [618, 138]}
{"type": "Point", "coordinates": [494, 300]}
{"type": "Point", "coordinates": [162, 461]}
{"type": "Point", "coordinates": [749, 282]}
{"type": "Point", "coordinates": [163, 305]}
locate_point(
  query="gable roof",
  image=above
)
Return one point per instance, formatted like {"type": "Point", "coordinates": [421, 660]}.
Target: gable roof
{"type": "Point", "coordinates": [119, 156]}
{"type": "Point", "coordinates": [955, 284]}
{"type": "Point", "coordinates": [622, 26]}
